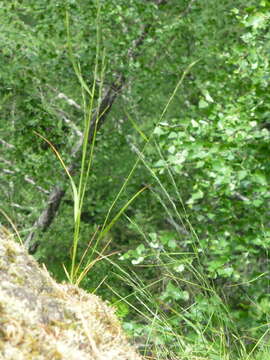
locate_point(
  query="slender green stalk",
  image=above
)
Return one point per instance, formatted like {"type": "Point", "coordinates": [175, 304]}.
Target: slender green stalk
{"type": "Point", "coordinates": [87, 156]}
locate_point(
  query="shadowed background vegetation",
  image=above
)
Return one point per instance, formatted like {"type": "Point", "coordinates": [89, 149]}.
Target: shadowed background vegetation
{"type": "Point", "coordinates": [188, 85]}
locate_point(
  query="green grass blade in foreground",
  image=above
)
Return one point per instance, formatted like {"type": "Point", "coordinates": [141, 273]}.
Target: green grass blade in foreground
{"type": "Point", "coordinates": [136, 127]}
{"type": "Point", "coordinates": [88, 107]}
{"type": "Point", "coordinates": [76, 207]}
{"type": "Point", "coordinates": [74, 188]}
{"type": "Point", "coordinates": [72, 57]}
{"type": "Point", "coordinates": [258, 342]}
{"type": "Point", "coordinates": [144, 296]}
{"type": "Point", "coordinates": [108, 227]}
{"type": "Point", "coordinates": [179, 83]}
{"type": "Point", "coordinates": [104, 231]}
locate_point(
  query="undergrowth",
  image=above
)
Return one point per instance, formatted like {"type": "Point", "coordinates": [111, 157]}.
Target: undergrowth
{"type": "Point", "coordinates": [165, 298]}
{"type": "Point", "coordinates": [170, 306]}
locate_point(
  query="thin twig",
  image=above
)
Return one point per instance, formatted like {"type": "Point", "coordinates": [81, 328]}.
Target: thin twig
{"type": "Point", "coordinates": [6, 144]}
{"type": "Point", "coordinates": [26, 177]}
{"type": "Point", "coordinates": [98, 119]}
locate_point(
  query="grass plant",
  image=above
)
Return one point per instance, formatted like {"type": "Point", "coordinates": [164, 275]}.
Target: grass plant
{"type": "Point", "coordinates": [162, 338]}
{"type": "Point", "coordinates": [203, 330]}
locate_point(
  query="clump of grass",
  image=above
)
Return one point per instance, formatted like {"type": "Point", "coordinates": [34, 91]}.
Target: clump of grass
{"type": "Point", "coordinates": [209, 341]}
{"type": "Point", "coordinates": [162, 338]}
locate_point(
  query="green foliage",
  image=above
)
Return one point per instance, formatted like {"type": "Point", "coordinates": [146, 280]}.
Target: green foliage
{"type": "Point", "coordinates": [188, 259]}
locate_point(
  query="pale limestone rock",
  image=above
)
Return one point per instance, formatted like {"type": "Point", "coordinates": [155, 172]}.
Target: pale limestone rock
{"type": "Point", "coordinates": [43, 320]}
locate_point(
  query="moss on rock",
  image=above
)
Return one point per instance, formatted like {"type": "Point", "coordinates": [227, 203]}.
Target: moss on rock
{"type": "Point", "coordinates": [41, 319]}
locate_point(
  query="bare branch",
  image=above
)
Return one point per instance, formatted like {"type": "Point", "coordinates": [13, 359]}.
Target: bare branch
{"type": "Point", "coordinates": [46, 217]}
{"type": "Point", "coordinates": [240, 197]}
{"type": "Point", "coordinates": [31, 181]}
{"type": "Point", "coordinates": [70, 101]}
{"type": "Point", "coordinates": [180, 229]}
{"type": "Point", "coordinates": [8, 162]}
{"type": "Point", "coordinates": [7, 145]}
{"type": "Point", "coordinates": [61, 95]}
{"type": "Point", "coordinates": [26, 177]}
{"type": "Point", "coordinates": [98, 119]}
{"type": "Point", "coordinates": [48, 214]}
{"type": "Point", "coordinates": [7, 171]}
{"type": "Point", "coordinates": [70, 123]}
{"type": "Point", "coordinates": [22, 208]}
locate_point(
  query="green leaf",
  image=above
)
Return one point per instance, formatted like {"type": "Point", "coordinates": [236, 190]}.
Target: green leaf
{"type": "Point", "coordinates": [257, 20]}
{"type": "Point", "coordinates": [172, 244]}
{"type": "Point", "coordinates": [203, 104]}
{"type": "Point", "coordinates": [174, 293]}
{"type": "Point", "coordinates": [225, 272]}
{"type": "Point", "coordinates": [195, 196]}
{"type": "Point", "coordinates": [207, 96]}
